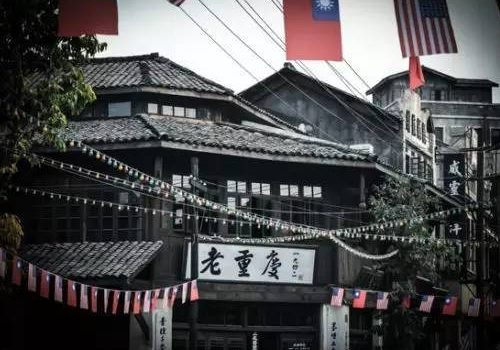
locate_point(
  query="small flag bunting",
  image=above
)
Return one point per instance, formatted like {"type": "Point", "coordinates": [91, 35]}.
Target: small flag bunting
{"type": "Point", "coordinates": [337, 296]}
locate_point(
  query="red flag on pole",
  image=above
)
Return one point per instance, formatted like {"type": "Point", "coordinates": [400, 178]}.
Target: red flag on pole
{"type": "Point", "coordinates": [71, 288]}
{"type": "Point", "coordinates": [16, 271]}
{"type": "Point", "coordinates": [137, 303]}
{"type": "Point", "coordinates": [84, 296]}
{"type": "Point", "coordinates": [359, 299]}
{"type": "Point", "coordinates": [3, 262]}
{"type": "Point", "coordinates": [416, 74]}
{"type": "Point", "coordinates": [450, 306]}
{"type": "Point", "coordinates": [58, 289]}
{"type": "Point", "coordinates": [126, 302]}
{"type": "Point", "coordinates": [87, 17]}
{"type": "Point", "coordinates": [44, 284]}
{"type": "Point", "coordinates": [93, 297]}
{"type": "Point", "coordinates": [312, 30]}
{"type": "Point", "coordinates": [32, 272]}
{"type": "Point", "coordinates": [194, 291]}
{"type": "Point", "coordinates": [116, 298]}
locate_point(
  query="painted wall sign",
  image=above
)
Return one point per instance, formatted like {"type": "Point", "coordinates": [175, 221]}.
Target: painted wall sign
{"type": "Point", "coordinates": [249, 263]}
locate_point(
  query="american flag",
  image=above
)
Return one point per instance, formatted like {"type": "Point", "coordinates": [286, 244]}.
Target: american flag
{"type": "Point", "coordinates": [84, 296]}
{"type": "Point", "coordinates": [474, 305]}
{"type": "Point", "coordinates": [176, 2]}
{"type": "Point", "coordinates": [116, 298]}
{"type": "Point", "coordinates": [337, 296]}
{"type": "Point", "coordinates": [58, 289]}
{"type": "Point", "coordinates": [184, 293]}
{"type": "Point", "coordinates": [106, 297]}
{"type": "Point", "coordinates": [382, 300]}
{"type": "Point", "coordinates": [424, 27]}
{"type": "Point", "coordinates": [166, 299]}
{"type": "Point", "coordinates": [32, 277]}
{"type": "Point", "coordinates": [147, 301]}
{"type": "Point", "coordinates": [426, 303]}
{"type": "Point", "coordinates": [173, 296]}
{"type": "Point", "coordinates": [126, 302]}
{"type": "Point", "coordinates": [3, 262]}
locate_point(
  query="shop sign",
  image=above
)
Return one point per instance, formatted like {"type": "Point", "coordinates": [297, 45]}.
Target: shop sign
{"type": "Point", "coordinates": [454, 174]}
{"type": "Point", "coordinates": [334, 327]}
{"type": "Point", "coordinates": [162, 329]}
{"type": "Point", "coordinates": [251, 263]}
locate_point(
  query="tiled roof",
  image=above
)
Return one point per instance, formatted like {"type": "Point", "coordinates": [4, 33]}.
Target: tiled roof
{"type": "Point", "coordinates": [206, 133]}
{"type": "Point", "coordinates": [147, 70]}
{"type": "Point", "coordinates": [91, 260]}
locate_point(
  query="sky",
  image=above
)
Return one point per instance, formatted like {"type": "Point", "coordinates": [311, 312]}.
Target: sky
{"type": "Point", "coordinates": [369, 38]}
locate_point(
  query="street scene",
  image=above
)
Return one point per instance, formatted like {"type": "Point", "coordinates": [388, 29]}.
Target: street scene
{"type": "Point", "coordinates": [250, 174]}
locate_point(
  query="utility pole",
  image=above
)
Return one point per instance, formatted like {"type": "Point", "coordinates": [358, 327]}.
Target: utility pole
{"type": "Point", "coordinates": [482, 342]}
{"type": "Point", "coordinates": [193, 306]}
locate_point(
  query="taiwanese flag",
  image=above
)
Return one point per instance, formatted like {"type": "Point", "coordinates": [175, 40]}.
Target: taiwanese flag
{"type": "Point", "coordinates": [406, 302]}
{"type": "Point", "coordinates": [44, 284]}
{"type": "Point", "coordinates": [116, 298]}
{"type": "Point", "coordinates": [71, 293]}
{"type": "Point", "coordinates": [93, 296]}
{"type": "Point", "coordinates": [3, 262]}
{"type": "Point", "coordinates": [359, 299]}
{"type": "Point", "coordinates": [312, 30]}
{"type": "Point", "coordinates": [16, 271]}
{"type": "Point", "coordinates": [154, 299]}
{"type": "Point", "coordinates": [87, 17]}
{"type": "Point", "coordinates": [58, 289]}
{"type": "Point", "coordinates": [194, 291]}
{"type": "Point", "coordinates": [173, 296]}
{"type": "Point", "coordinates": [32, 271]}
{"type": "Point", "coordinates": [450, 306]}
{"type": "Point", "coordinates": [137, 303]}
{"type": "Point", "coordinates": [126, 303]}
{"type": "Point", "coordinates": [84, 297]}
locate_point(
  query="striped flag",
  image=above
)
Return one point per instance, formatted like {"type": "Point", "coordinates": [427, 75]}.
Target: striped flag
{"type": "Point", "coordinates": [359, 299]}
{"type": "Point", "coordinates": [3, 262]}
{"type": "Point", "coordinates": [426, 303]}
{"type": "Point", "coordinates": [58, 289]}
{"type": "Point", "coordinates": [173, 296]}
{"type": "Point", "coordinates": [166, 298]}
{"type": "Point", "coordinates": [126, 302]}
{"type": "Point", "coordinates": [84, 296]}
{"type": "Point", "coordinates": [137, 303]}
{"type": "Point", "coordinates": [184, 287]}
{"type": "Point", "coordinates": [382, 300]}
{"type": "Point", "coordinates": [473, 308]}
{"type": "Point", "coordinates": [450, 306]}
{"type": "Point", "coordinates": [45, 284]}
{"type": "Point", "coordinates": [195, 295]}
{"type": "Point", "coordinates": [337, 296]}
{"type": "Point", "coordinates": [16, 271]}
{"type": "Point", "coordinates": [147, 301]}
{"type": "Point", "coordinates": [71, 288]}
{"type": "Point", "coordinates": [154, 299]}
{"type": "Point", "coordinates": [176, 2]}
{"type": "Point", "coordinates": [32, 272]}
{"type": "Point", "coordinates": [116, 299]}
{"type": "Point", "coordinates": [424, 27]}
{"type": "Point", "coordinates": [106, 297]}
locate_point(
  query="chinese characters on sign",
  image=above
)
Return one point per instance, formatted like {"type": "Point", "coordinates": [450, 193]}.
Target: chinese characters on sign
{"type": "Point", "coordinates": [162, 329]}
{"type": "Point", "coordinates": [454, 174]}
{"type": "Point", "coordinates": [228, 262]}
{"type": "Point", "coordinates": [334, 327]}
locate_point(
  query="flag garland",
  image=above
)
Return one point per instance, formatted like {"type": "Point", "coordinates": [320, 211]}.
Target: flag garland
{"type": "Point", "coordinates": [93, 298]}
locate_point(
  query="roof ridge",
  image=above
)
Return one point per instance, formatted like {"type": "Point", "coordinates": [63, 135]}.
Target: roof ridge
{"type": "Point", "coordinates": [109, 59]}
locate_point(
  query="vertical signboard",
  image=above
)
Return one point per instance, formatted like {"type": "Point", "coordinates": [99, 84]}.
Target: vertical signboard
{"type": "Point", "coordinates": [162, 329]}
{"type": "Point", "coordinates": [334, 327]}
{"type": "Point", "coordinates": [454, 174]}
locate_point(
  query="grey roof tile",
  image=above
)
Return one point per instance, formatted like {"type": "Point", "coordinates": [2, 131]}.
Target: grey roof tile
{"type": "Point", "coordinates": [92, 259]}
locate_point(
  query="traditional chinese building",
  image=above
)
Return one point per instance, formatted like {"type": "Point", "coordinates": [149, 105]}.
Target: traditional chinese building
{"type": "Point", "coordinates": [197, 136]}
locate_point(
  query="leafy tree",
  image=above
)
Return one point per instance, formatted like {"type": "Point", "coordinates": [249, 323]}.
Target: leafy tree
{"type": "Point", "coordinates": [41, 84]}
{"type": "Point", "coordinates": [398, 200]}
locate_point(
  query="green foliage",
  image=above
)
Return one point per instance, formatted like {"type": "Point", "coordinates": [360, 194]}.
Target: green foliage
{"type": "Point", "coordinates": [40, 82]}
{"type": "Point", "coordinates": [401, 200]}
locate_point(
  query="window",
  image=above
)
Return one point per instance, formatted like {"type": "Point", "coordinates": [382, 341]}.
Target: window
{"type": "Point", "coordinates": [419, 129]}
{"type": "Point", "coordinates": [231, 186]}
{"type": "Point", "coordinates": [241, 186]}
{"type": "Point", "coordinates": [439, 132]}
{"type": "Point", "coordinates": [181, 181]}
{"type": "Point", "coordinates": [407, 121]}
{"type": "Point", "coordinates": [289, 190]}
{"type": "Point", "coordinates": [424, 133]}
{"type": "Point", "coordinates": [179, 111]}
{"type": "Point", "coordinates": [261, 188]}
{"type": "Point", "coordinates": [495, 136]}
{"type": "Point", "coordinates": [190, 113]}
{"type": "Point", "coordinates": [167, 110]}
{"type": "Point", "coordinates": [437, 95]}
{"type": "Point", "coordinates": [119, 109]}
{"type": "Point", "coordinates": [413, 131]}
{"type": "Point", "coordinates": [236, 186]}
{"type": "Point", "coordinates": [312, 191]}
{"type": "Point", "coordinates": [231, 203]}
{"type": "Point", "coordinates": [153, 108]}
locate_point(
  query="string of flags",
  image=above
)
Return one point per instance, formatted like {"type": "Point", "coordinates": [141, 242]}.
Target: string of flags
{"type": "Point", "coordinates": [88, 297]}
{"type": "Point", "coordinates": [444, 305]}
